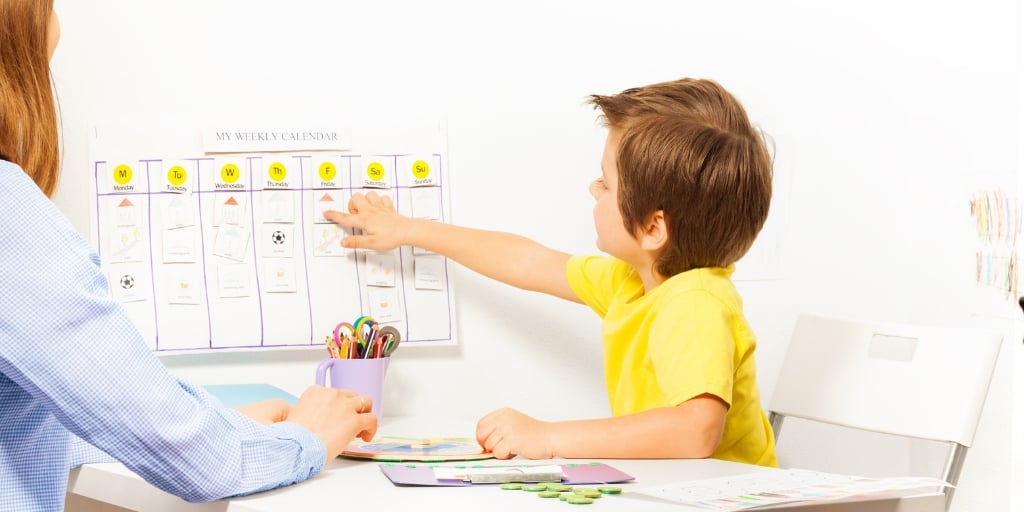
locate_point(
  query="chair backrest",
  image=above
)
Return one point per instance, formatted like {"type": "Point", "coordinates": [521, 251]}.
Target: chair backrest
{"type": "Point", "coordinates": [923, 382]}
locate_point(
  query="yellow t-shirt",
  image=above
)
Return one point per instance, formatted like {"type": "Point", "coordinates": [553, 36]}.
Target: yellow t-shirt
{"type": "Point", "coordinates": [684, 338]}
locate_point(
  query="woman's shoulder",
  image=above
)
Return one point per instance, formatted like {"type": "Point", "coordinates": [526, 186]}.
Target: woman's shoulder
{"type": "Point", "coordinates": [14, 180]}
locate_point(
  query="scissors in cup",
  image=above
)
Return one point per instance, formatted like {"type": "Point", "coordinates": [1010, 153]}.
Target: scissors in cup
{"type": "Point", "coordinates": [345, 340]}
{"type": "Point", "coordinates": [389, 340]}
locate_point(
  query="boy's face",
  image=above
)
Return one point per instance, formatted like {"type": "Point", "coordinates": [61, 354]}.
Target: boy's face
{"type": "Point", "coordinates": [612, 237]}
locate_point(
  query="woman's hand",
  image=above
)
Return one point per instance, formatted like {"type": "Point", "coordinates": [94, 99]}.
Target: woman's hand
{"type": "Point", "coordinates": [336, 416]}
{"type": "Point", "coordinates": [266, 411]}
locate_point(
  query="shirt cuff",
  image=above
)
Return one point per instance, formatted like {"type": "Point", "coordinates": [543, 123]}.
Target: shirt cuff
{"type": "Point", "coordinates": [314, 453]}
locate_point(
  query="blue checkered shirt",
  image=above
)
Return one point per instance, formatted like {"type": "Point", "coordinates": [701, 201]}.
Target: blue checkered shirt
{"type": "Point", "coordinates": [78, 383]}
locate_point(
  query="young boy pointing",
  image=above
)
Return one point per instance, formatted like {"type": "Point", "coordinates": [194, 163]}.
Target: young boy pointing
{"type": "Point", "coordinates": [684, 190]}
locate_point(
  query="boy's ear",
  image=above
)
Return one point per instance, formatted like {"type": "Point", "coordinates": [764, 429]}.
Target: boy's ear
{"type": "Point", "coordinates": [655, 232]}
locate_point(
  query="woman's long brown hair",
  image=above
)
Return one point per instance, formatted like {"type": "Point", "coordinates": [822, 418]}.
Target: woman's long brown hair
{"type": "Point", "coordinates": [28, 114]}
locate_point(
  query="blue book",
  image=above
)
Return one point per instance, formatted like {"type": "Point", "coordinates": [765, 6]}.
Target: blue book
{"type": "Point", "coordinates": [233, 395]}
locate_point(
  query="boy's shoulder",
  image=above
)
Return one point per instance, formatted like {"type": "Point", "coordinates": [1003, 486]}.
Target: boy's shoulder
{"type": "Point", "coordinates": [602, 276]}
{"type": "Point", "coordinates": [708, 282]}
{"type": "Point", "coordinates": [614, 268]}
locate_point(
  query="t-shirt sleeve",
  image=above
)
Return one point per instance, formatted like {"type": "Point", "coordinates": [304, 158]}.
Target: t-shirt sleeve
{"type": "Point", "coordinates": [593, 279]}
{"type": "Point", "coordinates": [692, 347]}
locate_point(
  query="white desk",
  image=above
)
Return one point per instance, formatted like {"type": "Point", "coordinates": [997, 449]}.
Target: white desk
{"type": "Point", "coordinates": [359, 485]}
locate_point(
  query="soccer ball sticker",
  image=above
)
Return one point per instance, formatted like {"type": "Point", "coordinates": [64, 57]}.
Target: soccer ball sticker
{"type": "Point", "coordinates": [128, 285]}
{"type": "Point", "coordinates": [278, 240]}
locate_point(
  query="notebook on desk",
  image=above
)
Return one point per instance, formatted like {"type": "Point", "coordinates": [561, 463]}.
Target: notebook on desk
{"type": "Point", "coordinates": [234, 395]}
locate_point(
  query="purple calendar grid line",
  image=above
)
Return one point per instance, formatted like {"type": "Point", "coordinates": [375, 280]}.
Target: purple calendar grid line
{"type": "Point", "coordinates": [255, 257]}
{"type": "Point", "coordinates": [302, 235]}
{"type": "Point", "coordinates": [202, 246]}
{"type": "Point", "coordinates": [359, 281]}
{"type": "Point", "coordinates": [152, 271]}
{"type": "Point", "coordinates": [447, 278]}
{"type": "Point", "coordinates": [401, 259]}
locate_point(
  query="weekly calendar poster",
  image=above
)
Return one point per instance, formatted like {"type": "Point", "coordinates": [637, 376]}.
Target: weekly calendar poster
{"type": "Point", "coordinates": [232, 251]}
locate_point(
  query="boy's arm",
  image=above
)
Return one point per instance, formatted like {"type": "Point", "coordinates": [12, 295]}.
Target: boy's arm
{"type": "Point", "coordinates": [690, 430]}
{"type": "Point", "coordinates": [509, 258]}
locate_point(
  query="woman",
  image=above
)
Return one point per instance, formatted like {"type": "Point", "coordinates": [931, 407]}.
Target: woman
{"type": "Point", "coordinates": [74, 368]}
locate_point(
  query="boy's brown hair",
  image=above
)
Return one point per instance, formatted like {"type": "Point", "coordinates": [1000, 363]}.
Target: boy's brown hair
{"type": "Point", "coordinates": [28, 114]}
{"type": "Point", "coordinates": [687, 148]}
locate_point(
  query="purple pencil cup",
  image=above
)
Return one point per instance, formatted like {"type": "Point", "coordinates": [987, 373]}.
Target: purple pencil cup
{"type": "Point", "coordinates": [365, 376]}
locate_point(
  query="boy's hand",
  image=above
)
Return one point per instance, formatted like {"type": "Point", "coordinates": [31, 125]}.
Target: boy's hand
{"type": "Point", "coordinates": [383, 227]}
{"type": "Point", "coordinates": [336, 416]}
{"type": "Point", "coordinates": [508, 432]}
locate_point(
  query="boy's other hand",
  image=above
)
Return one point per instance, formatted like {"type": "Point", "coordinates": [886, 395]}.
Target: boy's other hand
{"type": "Point", "coordinates": [383, 227]}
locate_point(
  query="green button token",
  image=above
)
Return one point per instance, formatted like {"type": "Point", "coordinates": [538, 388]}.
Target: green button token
{"type": "Point", "coordinates": [579, 500]}
{"type": "Point", "coordinates": [609, 489]}
{"type": "Point", "coordinates": [512, 486]}
{"type": "Point", "coordinates": [549, 494]}
{"type": "Point", "coordinates": [535, 488]}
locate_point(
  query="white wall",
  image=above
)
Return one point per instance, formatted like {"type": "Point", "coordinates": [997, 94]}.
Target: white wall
{"type": "Point", "coordinates": [886, 117]}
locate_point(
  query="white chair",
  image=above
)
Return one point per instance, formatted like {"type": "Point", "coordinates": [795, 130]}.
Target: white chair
{"type": "Point", "coordinates": [907, 380]}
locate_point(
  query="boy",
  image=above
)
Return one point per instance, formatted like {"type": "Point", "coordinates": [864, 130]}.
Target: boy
{"type": "Point", "coordinates": [685, 188]}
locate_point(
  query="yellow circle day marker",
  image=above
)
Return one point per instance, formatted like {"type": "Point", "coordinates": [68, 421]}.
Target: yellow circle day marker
{"type": "Point", "coordinates": [123, 174]}
{"type": "Point", "coordinates": [277, 171]}
{"type": "Point", "coordinates": [375, 171]}
{"type": "Point", "coordinates": [328, 171]}
{"type": "Point", "coordinates": [420, 169]}
{"type": "Point", "coordinates": [229, 173]}
{"type": "Point", "coordinates": [176, 175]}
